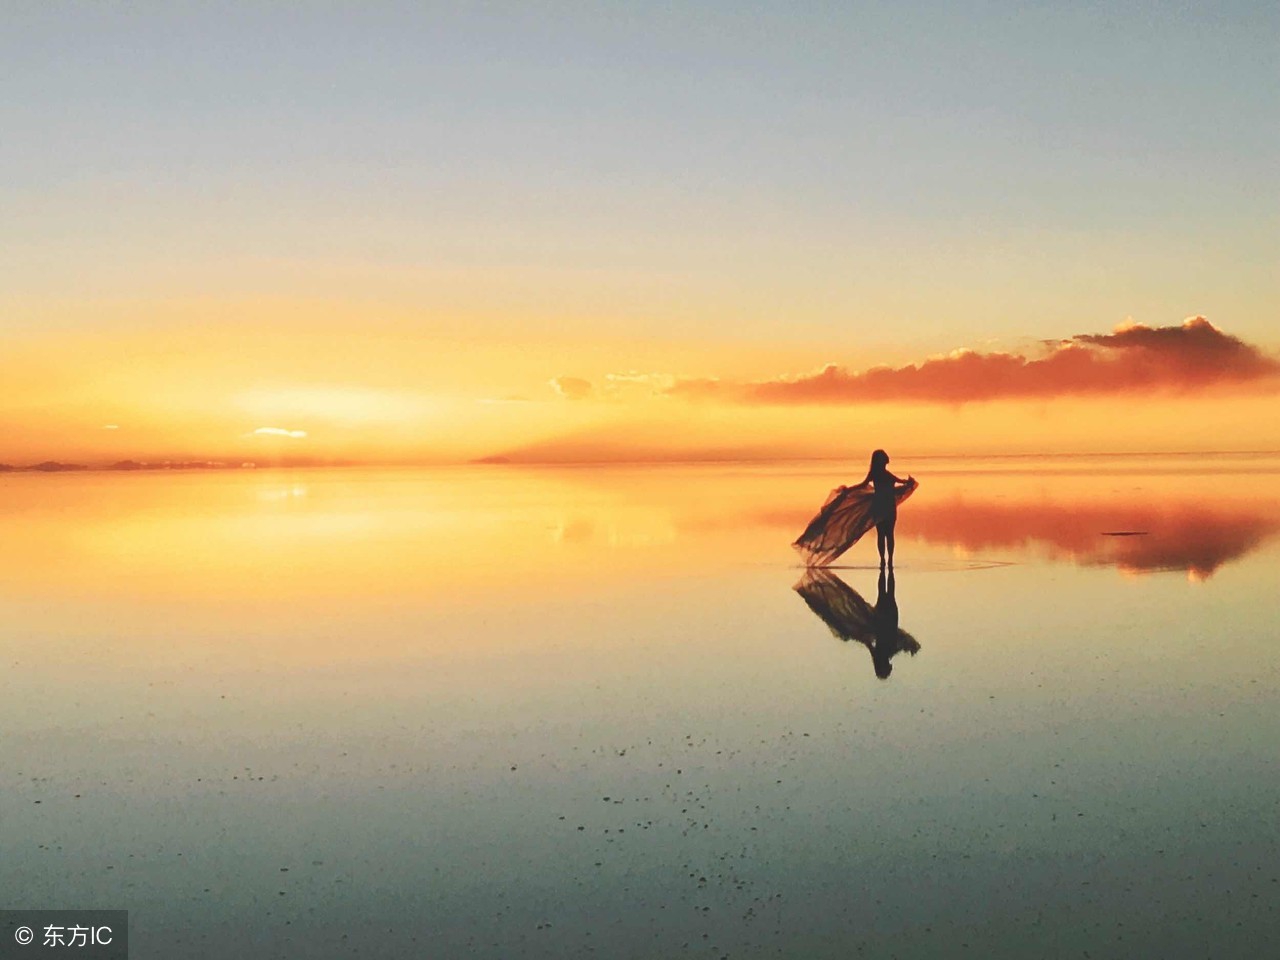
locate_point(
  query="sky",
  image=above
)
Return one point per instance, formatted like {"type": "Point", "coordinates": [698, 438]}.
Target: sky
{"type": "Point", "coordinates": [421, 232]}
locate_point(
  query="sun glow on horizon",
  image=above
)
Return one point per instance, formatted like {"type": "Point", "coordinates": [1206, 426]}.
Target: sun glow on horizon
{"type": "Point", "coordinates": [348, 406]}
{"type": "Point", "coordinates": [379, 392]}
{"type": "Point", "coordinates": [279, 432]}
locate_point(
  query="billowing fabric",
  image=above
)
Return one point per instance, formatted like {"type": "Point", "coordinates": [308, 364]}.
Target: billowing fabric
{"type": "Point", "coordinates": [848, 513]}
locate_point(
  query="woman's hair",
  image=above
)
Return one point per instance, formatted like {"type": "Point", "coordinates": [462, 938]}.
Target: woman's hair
{"type": "Point", "coordinates": [879, 460]}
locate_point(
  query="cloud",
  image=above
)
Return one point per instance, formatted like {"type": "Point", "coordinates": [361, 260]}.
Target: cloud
{"type": "Point", "coordinates": [699, 388]}
{"type": "Point", "coordinates": [634, 384]}
{"type": "Point", "coordinates": [657, 382]}
{"type": "Point", "coordinates": [1186, 358]}
{"type": "Point", "coordinates": [625, 386]}
{"type": "Point", "coordinates": [571, 388]}
{"type": "Point", "coordinates": [279, 432]}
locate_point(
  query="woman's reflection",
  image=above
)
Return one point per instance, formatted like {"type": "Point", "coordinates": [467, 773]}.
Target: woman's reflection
{"type": "Point", "coordinates": [850, 617]}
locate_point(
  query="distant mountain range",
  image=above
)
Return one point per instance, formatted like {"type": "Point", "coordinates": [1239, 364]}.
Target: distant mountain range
{"type": "Point", "coordinates": [48, 466]}
{"type": "Point", "coordinates": [179, 465]}
{"type": "Point", "coordinates": [58, 466]}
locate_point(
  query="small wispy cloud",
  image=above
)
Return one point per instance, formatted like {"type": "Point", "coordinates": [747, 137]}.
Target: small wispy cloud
{"type": "Point", "coordinates": [279, 432]}
{"type": "Point", "coordinates": [111, 426]}
{"type": "Point", "coordinates": [699, 388]}
{"type": "Point", "coordinates": [636, 384]}
{"type": "Point", "coordinates": [656, 382]}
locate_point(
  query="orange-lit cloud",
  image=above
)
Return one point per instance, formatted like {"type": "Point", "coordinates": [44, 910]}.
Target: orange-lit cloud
{"type": "Point", "coordinates": [1186, 358]}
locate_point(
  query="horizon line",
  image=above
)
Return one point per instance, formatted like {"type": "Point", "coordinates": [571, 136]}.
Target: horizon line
{"type": "Point", "coordinates": [192, 464]}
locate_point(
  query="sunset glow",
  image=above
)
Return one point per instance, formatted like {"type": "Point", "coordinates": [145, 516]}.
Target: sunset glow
{"type": "Point", "coordinates": [379, 393]}
{"type": "Point", "coordinates": [540, 480]}
{"type": "Point", "coordinates": [596, 263]}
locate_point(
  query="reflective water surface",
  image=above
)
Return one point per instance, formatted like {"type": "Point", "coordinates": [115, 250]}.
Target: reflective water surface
{"type": "Point", "coordinates": [505, 712]}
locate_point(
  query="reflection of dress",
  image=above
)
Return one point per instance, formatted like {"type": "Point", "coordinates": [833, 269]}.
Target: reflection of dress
{"type": "Point", "coordinates": [848, 513]}
{"type": "Point", "coordinates": [849, 617]}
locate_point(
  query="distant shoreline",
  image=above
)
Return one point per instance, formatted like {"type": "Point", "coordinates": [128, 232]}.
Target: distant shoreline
{"type": "Point", "coordinates": [158, 466]}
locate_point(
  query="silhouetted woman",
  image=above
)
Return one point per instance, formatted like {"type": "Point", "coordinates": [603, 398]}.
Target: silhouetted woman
{"type": "Point", "coordinates": [884, 504]}
{"type": "Point", "coordinates": [849, 512]}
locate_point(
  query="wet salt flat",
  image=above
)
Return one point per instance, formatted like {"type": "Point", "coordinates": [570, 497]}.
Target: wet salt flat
{"type": "Point", "coordinates": [567, 712]}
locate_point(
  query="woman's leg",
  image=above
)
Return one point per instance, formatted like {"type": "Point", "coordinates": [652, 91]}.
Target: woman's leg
{"type": "Point", "coordinates": [886, 521]}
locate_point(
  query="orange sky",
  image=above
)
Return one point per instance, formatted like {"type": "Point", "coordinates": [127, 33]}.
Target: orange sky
{"type": "Point", "coordinates": [285, 379]}
{"type": "Point", "coordinates": [380, 231]}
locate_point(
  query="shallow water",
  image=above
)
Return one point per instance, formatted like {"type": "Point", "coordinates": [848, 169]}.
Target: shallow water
{"type": "Point", "coordinates": [506, 712]}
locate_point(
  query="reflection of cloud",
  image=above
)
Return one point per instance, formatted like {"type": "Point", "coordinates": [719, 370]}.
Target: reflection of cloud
{"type": "Point", "coordinates": [279, 432]}
{"type": "Point", "coordinates": [571, 388]}
{"type": "Point", "coordinates": [604, 447]}
{"type": "Point", "coordinates": [577, 530]}
{"type": "Point", "coordinates": [1136, 537]}
{"type": "Point", "coordinates": [616, 527]}
{"type": "Point", "coordinates": [1180, 535]}
{"type": "Point", "coordinates": [275, 494]}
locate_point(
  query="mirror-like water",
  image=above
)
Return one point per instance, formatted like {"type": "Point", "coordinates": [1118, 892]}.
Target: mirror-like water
{"type": "Point", "coordinates": [504, 712]}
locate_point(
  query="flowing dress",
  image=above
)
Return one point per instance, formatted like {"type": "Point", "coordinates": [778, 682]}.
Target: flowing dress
{"type": "Point", "coordinates": [848, 513]}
